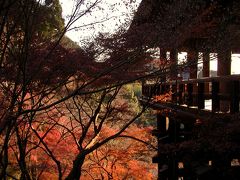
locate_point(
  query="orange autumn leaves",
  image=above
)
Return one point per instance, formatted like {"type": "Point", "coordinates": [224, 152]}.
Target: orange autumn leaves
{"type": "Point", "coordinates": [123, 158]}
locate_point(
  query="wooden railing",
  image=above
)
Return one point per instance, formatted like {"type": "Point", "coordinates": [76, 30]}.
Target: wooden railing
{"type": "Point", "coordinates": [194, 92]}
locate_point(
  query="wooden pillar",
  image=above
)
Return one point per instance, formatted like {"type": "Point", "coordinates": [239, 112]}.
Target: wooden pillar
{"type": "Point", "coordinates": [192, 59]}
{"type": "Point", "coordinates": [234, 106]}
{"type": "Point", "coordinates": [224, 69]}
{"type": "Point", "coordinates": [180, 94]}
{"type": "Point", "coordinates": [173, 63]}
{"type": "Point", "coordinates": [162, 131]}
{"type": "Point", "coordinates": [215, 96]}
{"type": "Point", "coordinates": [161, 123]}
{"type": "Point", "coordinates": [224, 63]}
{"type": "Point", "coordinates": [173, 132]}
{"type": "Point", "coordinates": [163, 60]}
{"type": "Point", "coordinates": [200, 97]}
{"type": "Point", "coordinates": [174, 93]}
{"type": "Point", "coordinates": [206, 64]}
{"type": "Point", "coordinates": [189, 94]}
{"type": "Point", "coordinates": [173, 167]}
{"type": "Point", "coordinates": [206, 70]}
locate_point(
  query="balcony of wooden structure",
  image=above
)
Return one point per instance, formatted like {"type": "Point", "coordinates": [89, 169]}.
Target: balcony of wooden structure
{"type": "Point", "coordinates": [191, 33]}
{"type": "Point", "coordinates": [224, 90]}
{"type": "Point", "coordinates": [194, 92]}
{"type": "Point", "coordinates": [187, 103]}
{"type": "Point", "coordinates": [229, 93]}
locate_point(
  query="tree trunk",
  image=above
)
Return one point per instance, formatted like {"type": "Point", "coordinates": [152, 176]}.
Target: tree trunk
{"type": "Point", "coordinates": [75, 173]}
{"type": "Point", "coordinates": [4, 164]}
{"type": "Point", "coordinates": [22, 162]}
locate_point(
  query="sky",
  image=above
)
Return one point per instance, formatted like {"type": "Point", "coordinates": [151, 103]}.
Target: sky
{"type": "Point", "coordinates": [111, 14]}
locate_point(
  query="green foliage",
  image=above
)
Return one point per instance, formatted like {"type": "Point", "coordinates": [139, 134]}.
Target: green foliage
{"type": "Point", "coordinates": [137, 89]}
{"type": "Point", "coordinates": [148, 118]}
{"type": "Point", "coordinates": [134, 89]}
{"type": "Point", "coordinates": [130, 93]}
{"type": "Point", "coordinates": [133, 92]}
{"type": "Point", "coordinates": [52, 23]}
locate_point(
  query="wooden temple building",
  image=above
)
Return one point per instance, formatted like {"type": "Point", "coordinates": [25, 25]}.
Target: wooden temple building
{"type": "Point", "coordinates": [192, 138]}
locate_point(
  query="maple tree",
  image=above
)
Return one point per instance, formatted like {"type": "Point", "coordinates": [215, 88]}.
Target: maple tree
{"type": "Point", "coordinates": [59, 105]}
